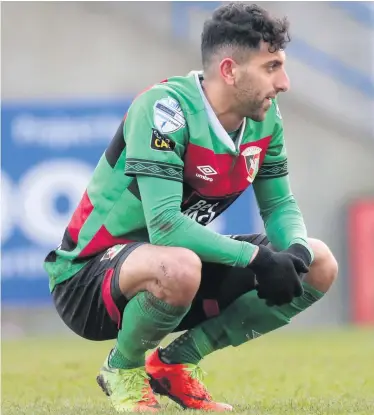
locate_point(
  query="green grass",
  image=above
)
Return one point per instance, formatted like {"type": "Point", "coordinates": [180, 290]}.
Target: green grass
{"type": "Point", "coordinates": [329, 373]}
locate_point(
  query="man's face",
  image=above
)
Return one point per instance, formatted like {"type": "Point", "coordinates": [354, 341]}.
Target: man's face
{"type": "Point", "coordinates": [258, 80]}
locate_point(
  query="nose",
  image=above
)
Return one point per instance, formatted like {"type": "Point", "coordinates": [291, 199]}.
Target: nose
{"type": "Point", "coordinates": [282, 82]}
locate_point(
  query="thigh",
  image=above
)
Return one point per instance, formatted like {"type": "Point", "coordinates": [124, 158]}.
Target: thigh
{"type": "Point", "coordinates": [220, 286]}
{"type": "Point", "coordinates": [90, 303]}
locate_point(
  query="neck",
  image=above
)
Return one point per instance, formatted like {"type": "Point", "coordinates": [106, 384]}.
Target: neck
{"type": "Point", "coordinates": [221, 106]}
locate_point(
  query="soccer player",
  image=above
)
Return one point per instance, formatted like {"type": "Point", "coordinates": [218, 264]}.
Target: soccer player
{"type": "Point", "coordinates": [136, 261]}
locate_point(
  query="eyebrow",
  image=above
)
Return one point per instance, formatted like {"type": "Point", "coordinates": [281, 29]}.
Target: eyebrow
{"type": "Point", "coordinates": [276, 62]}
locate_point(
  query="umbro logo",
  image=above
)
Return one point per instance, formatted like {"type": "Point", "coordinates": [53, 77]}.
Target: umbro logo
{"type": "Point", "coordinates": [207, 171]}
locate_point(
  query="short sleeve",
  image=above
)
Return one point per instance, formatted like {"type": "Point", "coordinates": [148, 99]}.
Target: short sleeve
{"type": "Point", "coordinates": [155, 134]}
{"type": "Point", "coordinates": [275, 161]}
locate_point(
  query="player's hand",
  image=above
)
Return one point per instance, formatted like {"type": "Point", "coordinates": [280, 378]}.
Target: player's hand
{"type": "Point", "coordinates": [301, 252]}
{"type": "Point", "coordinates": [278, 275]}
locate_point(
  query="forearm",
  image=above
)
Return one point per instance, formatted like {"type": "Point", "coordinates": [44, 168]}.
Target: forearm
{"type": "Point", "coordinates": [280, 213]}
{"type": "Point", "coordinates": [169, 227]}
{"type": "Point", "coordinates": [285, 225]}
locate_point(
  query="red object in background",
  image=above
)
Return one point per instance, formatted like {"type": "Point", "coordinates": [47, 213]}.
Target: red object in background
{"type": "Point", "coordinates": [361, 261]}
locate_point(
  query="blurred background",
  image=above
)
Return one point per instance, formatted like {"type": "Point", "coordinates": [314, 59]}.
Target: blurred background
{"type": "Point", "coordinates": [69, 71]}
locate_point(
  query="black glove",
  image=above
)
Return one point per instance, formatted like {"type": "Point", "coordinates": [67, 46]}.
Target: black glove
{"type": "Point", "coordinates": [278, 275]}
{"type": "Point", "coordinates": [301, 252]}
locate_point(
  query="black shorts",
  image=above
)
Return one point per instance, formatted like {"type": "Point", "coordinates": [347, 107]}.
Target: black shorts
{"type": "Point", "coordinates": [91, 303]}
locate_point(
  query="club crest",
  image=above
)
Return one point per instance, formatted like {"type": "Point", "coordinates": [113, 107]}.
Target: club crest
{"type": "Point", "coordinates": [252, 161]}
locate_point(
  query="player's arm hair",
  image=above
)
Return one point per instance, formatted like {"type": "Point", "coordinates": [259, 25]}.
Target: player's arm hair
{"type": "Point", "coordinates": [168, 226]}
{"type": "Point", "coordinates": [282, 217]}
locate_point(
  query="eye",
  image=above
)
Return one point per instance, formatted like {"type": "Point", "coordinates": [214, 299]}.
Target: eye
{"type": "Point", "coordinates": [272, 66]}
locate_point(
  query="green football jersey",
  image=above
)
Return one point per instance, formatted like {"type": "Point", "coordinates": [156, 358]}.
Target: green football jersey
{"type": "Point", "coordinates": [171, 133]}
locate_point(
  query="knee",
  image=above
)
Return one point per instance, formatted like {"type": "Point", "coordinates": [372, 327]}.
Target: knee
{"type": "Point", "coordinates": [179, 277]}
{"type": "Point", "coordinates": [324, 269]}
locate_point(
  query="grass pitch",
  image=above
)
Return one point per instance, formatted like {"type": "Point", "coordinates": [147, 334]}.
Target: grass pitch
{"type": "Point", "coordinates": [329, 373]}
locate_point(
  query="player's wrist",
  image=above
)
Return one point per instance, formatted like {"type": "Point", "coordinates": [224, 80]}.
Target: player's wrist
{"type": "Point", "coordinates": [261, 256]}
{"type": "Point", "coordinates": [301, 252]}
{"type": "Point", "coordinates": [255, 252]}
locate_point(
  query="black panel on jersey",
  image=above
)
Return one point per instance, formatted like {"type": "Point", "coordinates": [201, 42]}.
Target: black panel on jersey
{"type": "Point", "coordinates": [204, 209]}
{"type": "Point", "coordinates": [116, 146]}
{"type": "Point", "coordinates": [67, 242]}
{"type": "Point", "coordinates": [51, 257]}
{"type": "Point", "coordinates": [133, 188]}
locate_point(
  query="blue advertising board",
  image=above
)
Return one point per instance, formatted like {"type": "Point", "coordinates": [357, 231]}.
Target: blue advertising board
{"type": "Point", "coordinates": [49, 151]}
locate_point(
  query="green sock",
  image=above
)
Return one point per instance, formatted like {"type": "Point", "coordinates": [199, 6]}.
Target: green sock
{"type": "Point", "coordinates": [118, 360]}
{"type": "Point", "coordinates": [245, 319]}
{"type": "Point", "coordinates": [146, 321]}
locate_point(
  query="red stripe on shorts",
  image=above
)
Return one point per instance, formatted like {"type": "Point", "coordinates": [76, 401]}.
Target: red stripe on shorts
{"type": "Point", "coordinates": [211, 308]}
{"type": "Point", "coordinates": [110, 305]}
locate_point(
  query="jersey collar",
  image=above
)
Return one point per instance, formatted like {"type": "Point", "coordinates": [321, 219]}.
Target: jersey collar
{"type": "Point", "coordinates": [221, 133]}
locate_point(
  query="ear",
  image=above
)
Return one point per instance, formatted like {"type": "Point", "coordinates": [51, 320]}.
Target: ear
{"type": "Point", "coordinates": [228, 69]}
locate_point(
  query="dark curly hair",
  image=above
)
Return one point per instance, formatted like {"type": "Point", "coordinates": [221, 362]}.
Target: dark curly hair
{"type": "Point", "coordinates": [242, 26]}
